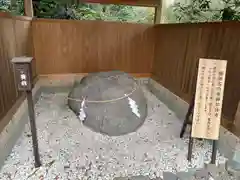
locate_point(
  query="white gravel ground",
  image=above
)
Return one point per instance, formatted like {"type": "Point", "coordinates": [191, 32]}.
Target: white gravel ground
{"type": "Point", "coordinates": [69, 150]}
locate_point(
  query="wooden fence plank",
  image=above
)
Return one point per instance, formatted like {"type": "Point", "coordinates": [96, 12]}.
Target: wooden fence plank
{"type": "Point", "coordinates": [14, 41]}
{"type": "Point", "coordinates": [90, 46]}
{"type": "Point", "coordinates": [205, 40]}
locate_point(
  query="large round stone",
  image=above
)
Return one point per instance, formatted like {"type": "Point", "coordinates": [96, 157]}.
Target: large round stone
{"type": "Point", "coordinates": [114, 103]}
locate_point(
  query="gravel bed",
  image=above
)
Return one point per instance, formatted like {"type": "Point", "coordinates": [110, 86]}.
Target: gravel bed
{"type": "Point", "coordinates": [69, 150]}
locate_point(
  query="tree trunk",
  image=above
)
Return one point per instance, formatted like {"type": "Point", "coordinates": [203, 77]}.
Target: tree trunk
{"type": "Point", "coordinates": [35, 7]}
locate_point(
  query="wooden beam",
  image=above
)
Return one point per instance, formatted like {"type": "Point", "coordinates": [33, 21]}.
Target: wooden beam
{"type": "Point", "coordinates": [159, 13]}
{"type": "Point", "coordinates": [28, 8]}
{"type": "Point", "coordinates": [10, 16]}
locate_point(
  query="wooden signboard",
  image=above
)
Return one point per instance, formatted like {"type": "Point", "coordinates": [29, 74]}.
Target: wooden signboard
{"type": "Point", "coordinates": [208, 99]}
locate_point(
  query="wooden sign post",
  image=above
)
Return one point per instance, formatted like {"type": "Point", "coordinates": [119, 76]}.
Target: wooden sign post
{"type": "Point", "coordinates": [23, 74]}
{"type": "Point", "coordinates": [206, 107]}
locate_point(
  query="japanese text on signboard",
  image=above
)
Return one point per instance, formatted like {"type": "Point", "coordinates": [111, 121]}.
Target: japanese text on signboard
{"type": "Point", "coordinates": [208, 99]}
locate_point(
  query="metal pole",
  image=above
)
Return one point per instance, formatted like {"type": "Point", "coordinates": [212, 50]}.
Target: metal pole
{"type": "Point", "coordinates": [31, 114]}
{"type": "Point", "coordinates": [214, 152]}
{"type": "Point", "coordinates": [190, 147]}
{"type": "Point", "coordinates": [186, 120]}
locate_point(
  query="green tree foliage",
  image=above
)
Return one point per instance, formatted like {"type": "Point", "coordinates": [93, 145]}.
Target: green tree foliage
{"type": "Point", "coordinates": [4, 6]}
{"type": "Point", "coordinates": [16, 9]}
{"type": "Point", "coordinates": [203, 11]}
{"type": "Point", "coordinates": [59, 9]}
{"type": "Point", "coordinates": [63, 9]}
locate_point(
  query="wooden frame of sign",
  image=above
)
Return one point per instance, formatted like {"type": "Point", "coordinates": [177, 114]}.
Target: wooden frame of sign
{"type": "Point", "coordinates": [23, 75]}
{"type": "Point", "coordinates": [206, 105]}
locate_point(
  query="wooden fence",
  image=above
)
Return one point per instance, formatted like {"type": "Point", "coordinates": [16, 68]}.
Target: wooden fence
{"type": "Point", "coordinates": [178, 49]}
{"type": "Point", "coordinates": [15, 40]}
{"type": "Point", "coordinates": [169, 52]}
{"type": "Point", "coordinates": [89, 46]}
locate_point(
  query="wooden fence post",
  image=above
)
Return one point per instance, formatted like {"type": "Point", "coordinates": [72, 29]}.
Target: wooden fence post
{"type": "Point", "coordinates": [28, 8]}
{"type": "Point", "coordinates": [158, 18]}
